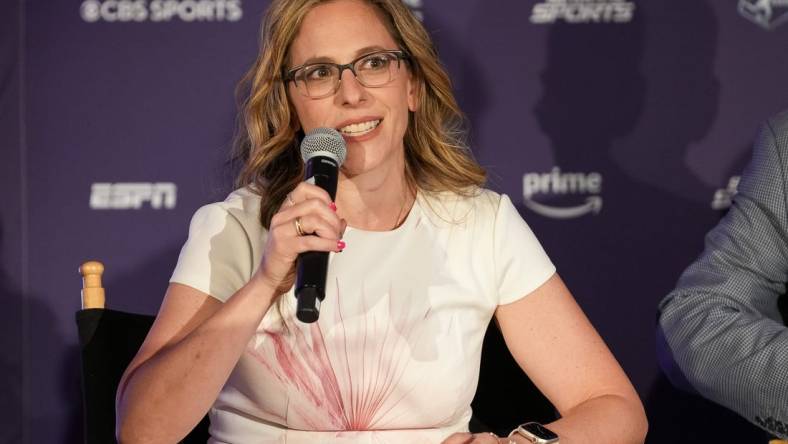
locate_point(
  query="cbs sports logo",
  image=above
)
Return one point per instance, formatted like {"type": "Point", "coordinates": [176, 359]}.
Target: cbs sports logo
{"type": "Point", "coordinates": [768, 14]}
{"type": "Point", "coordinates": [574, 12]}
{"type": "Point", "coordinates": [93, 11]}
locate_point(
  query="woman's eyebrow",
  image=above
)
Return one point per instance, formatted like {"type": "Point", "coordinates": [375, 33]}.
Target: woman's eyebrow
{"type": "Point", "coordinates": [317, 59]}
{"type": "Point", "coordinates": [368, 49]}
{"type": "Point", "coordinates": [325, 59]}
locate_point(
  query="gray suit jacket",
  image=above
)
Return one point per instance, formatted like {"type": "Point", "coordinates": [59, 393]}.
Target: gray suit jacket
{"type": "Point", "coordinates": [722, 321]}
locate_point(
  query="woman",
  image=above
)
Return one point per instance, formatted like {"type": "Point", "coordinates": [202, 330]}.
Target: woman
{"type": "Point", "coordinates": [429, 257]}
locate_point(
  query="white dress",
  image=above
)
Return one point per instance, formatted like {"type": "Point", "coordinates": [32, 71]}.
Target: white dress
{"type": "Point", "coordinates": [394, 357]}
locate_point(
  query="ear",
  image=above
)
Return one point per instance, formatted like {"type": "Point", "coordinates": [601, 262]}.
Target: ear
{"type": "Point", "coordinates": [295, 122]}
{"type": "Point", "coordinates": [414, 90]}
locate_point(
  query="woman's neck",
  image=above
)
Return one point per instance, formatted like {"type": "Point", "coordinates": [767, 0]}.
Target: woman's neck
{"type": "Point", "coordinates": [374, 205]}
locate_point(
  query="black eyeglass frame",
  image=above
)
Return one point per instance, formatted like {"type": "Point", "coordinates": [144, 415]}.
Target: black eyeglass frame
{"type": "Point", "coordinates": [288, 75]}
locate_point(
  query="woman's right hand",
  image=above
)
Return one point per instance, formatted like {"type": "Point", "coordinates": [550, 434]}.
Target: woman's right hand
{"type": "Point", "coordinates": [310, 208]}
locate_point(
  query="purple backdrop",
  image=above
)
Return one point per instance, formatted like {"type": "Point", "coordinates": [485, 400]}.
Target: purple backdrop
{"type": "Point", "coordinates": [12, 232]}
{"type": "Point", "coordinates": [611, 124]}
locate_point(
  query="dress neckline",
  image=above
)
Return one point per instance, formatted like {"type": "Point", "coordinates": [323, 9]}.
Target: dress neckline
{"type": "Point", "coordinates": [409, 220]}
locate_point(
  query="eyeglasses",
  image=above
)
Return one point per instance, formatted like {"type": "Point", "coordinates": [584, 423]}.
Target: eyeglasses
{"type": "Point", "coordinates": [318, 80]}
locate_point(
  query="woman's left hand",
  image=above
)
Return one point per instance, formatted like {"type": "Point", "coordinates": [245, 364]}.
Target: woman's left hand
{"type": "Point", "coordinates": [475, 438]}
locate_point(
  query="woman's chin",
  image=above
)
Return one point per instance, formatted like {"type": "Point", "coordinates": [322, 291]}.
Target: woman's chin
{"type": "Point", "coordinates": [351, 171]}
{"type": "Point", "coordinates": [372, 156]}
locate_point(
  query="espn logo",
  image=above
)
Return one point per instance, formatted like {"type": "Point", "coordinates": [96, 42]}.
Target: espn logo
{"type": "Point", "coordinates": [133, 195]}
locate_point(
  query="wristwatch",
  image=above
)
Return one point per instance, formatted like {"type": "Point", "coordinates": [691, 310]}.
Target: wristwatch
{"type": "Point", "coordinates": [535, 433]}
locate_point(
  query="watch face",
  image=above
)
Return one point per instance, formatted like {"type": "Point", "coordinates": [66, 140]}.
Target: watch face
{"type": "Point", "coordinates": [539, 431]}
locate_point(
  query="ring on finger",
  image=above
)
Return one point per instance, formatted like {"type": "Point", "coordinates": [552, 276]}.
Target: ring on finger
{"type": "Point", "coordinates": [298, 227]}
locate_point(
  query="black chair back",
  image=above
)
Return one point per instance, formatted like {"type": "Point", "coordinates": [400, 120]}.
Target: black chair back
{"type": "Point", "coordinates": [505, 397]}
{"type": "Point", "coordinates": [108, 341]}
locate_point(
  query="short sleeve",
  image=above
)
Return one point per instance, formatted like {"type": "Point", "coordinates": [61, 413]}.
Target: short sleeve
{"type": "Point", "coordinates": [217, 256]}
{"type": "Point", "coordinates": [521, 264]}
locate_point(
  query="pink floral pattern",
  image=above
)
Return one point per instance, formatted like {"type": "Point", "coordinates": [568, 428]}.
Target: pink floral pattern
{"type": "Point", "coordinates": [347, 373]}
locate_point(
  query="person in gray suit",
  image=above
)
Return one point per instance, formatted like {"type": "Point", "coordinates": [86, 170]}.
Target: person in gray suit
{"type": "Point", "coordinates": [723, 322]}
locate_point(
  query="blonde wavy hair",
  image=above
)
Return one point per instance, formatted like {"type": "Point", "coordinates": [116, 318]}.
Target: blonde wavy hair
{"type": "Point", "coordinates": [436, 152]}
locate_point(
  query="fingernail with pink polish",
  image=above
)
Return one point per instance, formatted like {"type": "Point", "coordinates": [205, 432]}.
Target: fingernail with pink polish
{"type": "Point", "coordinates": [341, 245]}
{"type": "Point", "coordinates": [333, 206]}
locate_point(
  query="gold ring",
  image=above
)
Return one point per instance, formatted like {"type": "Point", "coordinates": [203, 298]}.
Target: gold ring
{"type": "Point", "coordinates": [299, 229]}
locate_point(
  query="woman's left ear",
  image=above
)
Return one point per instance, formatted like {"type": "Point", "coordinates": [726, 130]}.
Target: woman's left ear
{"type": "Point", "coordinates": [296, 123]}
{"type": "Point", "coordinates": [413, 95]}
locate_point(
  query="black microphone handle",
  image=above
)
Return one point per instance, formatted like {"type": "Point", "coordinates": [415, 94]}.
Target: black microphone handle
{"type": "Point", "coordinates": [312, 266]}
{"type": "Point", "coordinates": [311, 270]}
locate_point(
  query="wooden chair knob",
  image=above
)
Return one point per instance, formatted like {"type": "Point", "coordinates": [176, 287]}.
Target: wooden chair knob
{"type": "Point", "coordinates": [92, 291]}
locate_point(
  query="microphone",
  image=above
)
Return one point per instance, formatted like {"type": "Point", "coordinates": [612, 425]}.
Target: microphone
{"type": "Point", "coordinates": [323, 151]}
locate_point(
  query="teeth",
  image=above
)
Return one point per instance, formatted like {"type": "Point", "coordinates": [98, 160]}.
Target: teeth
{"type": "Point", "coordinates": [356, 129]}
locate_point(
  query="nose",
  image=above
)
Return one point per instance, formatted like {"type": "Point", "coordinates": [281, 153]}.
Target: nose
{"type": "Point", "coordinates": [350, 92]}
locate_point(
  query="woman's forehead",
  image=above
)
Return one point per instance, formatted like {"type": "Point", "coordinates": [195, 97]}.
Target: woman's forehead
{"type": "Point", "coordinates": [338, 31]}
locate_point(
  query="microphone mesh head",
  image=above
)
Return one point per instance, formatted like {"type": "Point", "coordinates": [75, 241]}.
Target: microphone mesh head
{"type": "Point", "coordinates": [324, 142]}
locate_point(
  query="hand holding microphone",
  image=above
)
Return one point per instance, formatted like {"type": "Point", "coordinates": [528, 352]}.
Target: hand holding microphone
{"type": "Point", "coordinates": [306, 227]}
{"type": "Point", "coordinates": [323, 151]}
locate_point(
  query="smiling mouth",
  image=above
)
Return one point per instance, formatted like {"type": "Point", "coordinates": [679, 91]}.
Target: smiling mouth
{"type": "Point", "coordinates": [359, 129]}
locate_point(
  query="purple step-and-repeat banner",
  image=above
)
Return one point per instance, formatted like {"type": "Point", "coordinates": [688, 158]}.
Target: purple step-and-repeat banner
{"type": "Point", "coordinates": [617, 127]}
